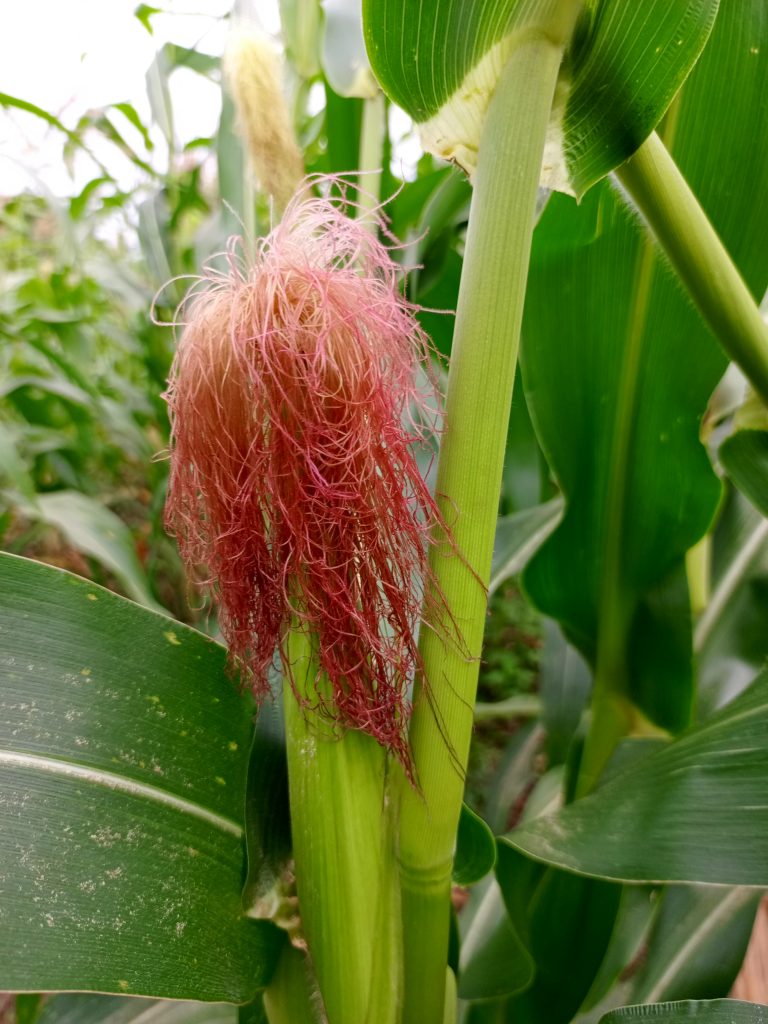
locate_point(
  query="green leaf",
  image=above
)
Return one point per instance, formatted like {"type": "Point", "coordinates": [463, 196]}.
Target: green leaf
{"type": "Point", "coordinates": [175, 56]}
{"type": "Point", "coordinates": [144, 14]}
{"type": "Point", "coordinates": [494, 961]}
{"type": "Point", "coordinates": [716, 1011]}
{"type": "Point", "coordinates": [475, 849]}
{"type": "Point", "coordinates": [559, 907]}
{"type": "Point", "coordinates": [93, 1009]}
{"type": "Point", "coordinates": [73, 138]}
{"type": "Point", "coordinates": [13, 470]}
{"type": "Point", "coordinates": [618, 370]}
{"type": "Point", "coordinates": [79, 203]}
{"type": "Point", "coordinates": [565, 683]}
{"type": "Point", "coordinates": [123, 756]}
{"type": "Point", "coordinates": [516, 774]}
{"type": "Point", "coordinates": [697, 944]}
{"type": "Point", "coordinates": [343, 122]}
{"type": "Point", "coordinates": [519, 536]}
{"type": "Point", "coordinates": [730, 638]}
{"type": "Point", "coordinates": [744, 456]}
{"type": "Point", "coordinates": [231, 163]}
{"type": "Point", "coordinates": [292, 997]}
{"type": "Point", "coordinates": [129, 111]}
{"type": "Point", "coordinates": [28, 1008]}
{"type": "Point", "coordinates": [155, 244]}
{"type": "Point", "coordinates": [96, 531]}
{"type": "Point", "coordinates": [709, 783]}
{"type": "Point", "coordinates": [159, 94]}
{"type": "Point", "coordinates": [441, 61]}
{"type": "Point", "coordinates": [628, 944]}
{"type": "Point", "coordinates": [267, 817]}
{"type": "Point", "coordinates": [694, 949]}
{"type": "Point", "coordinates": [253, 1013]}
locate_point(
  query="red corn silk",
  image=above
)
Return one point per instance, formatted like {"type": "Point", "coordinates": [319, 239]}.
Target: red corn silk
{"type": "Point", "coordinates": [294, 493]}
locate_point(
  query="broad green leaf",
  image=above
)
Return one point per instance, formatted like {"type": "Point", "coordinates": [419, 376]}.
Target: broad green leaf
{"type": "Point", "coordinates": [744, 456]}
{"type": "Point", "coordinates": [697, 944]}
{"type": "Point", "coordinates": [343, 121]}
{"type": "Point", "coordinates": [515, 776]}
{"type": "Point", "coordinates": [547, 908]}
{"type": "Point", "coordinates": [618, 370]}
{"type": "Point", "coordinates": [570, 921]}
{"type": "Point", "coordinates": [628, 944]}
{"type": "Point", "coordinates": [267, 817]}
{"type": "Point", "coordinates": [439, 224]}
{"type": "Point", "coordinates": [28, 1008]}
{"type": "Point", "coordinates": [709, 783]}
{"type": "Point", "coordinates": [407, 208]}
{"type": "Point", "coordinates": [475, 849]}
{"type": "Point", "coordinates": [123, 757]}
{"type": "Point", "coordinates": [525, 478]}
{"type": "Point", "coordinates": [441, 61]}
{"type": "Point", "coordinates": [494, 961]}
{"type": "Point", "coordinates": [93, 1009]}
{"type": "Point", "coordinates": [519, 536]}
{"type": "Point", "coordinates": [565, 683]}
{"type": "Point", "coordinates": [232, 166]}
{"type": "Point", "coordinates": [716, 1011]}
{"type": "Point", "coordinates": [730, 636]}
{"type": "Point", "coordinates": [694, 949]}
{"type": "Point", "coordinates": [96, 531]}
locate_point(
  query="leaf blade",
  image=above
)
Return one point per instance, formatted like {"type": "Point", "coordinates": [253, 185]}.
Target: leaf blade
{"type": "Point", "coordinates": [121, 798]}
{"type": "Point", "coordinates": [711, 781]}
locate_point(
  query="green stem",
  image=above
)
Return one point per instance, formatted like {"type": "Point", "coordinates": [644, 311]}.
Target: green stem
{"type": "Point", "coordinates": [343, 850]}
{"type": "Point", "coordinates": [694, 249]}
{"type": "Point", "coordinates": [483, 362]}
{"type": "Point", "coordinates": [371, 153]}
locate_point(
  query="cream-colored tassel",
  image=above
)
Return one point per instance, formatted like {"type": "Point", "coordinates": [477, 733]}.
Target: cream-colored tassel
{"type": "Point", "coordinates": [252, 70]}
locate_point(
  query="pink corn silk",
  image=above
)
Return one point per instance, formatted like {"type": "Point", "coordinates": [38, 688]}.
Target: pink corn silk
{"type": "Point", "coordinates": [295, 409]}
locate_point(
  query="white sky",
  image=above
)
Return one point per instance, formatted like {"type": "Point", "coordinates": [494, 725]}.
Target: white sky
{"type": "Point", "coordinates": [67, 57]}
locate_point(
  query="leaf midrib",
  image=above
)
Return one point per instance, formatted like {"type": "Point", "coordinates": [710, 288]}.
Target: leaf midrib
{"type": "Point", "coordinates": [121, 784]}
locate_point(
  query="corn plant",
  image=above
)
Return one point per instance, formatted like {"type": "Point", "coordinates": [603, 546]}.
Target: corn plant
{"type": "Point", "coordinates": [603, 223]}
